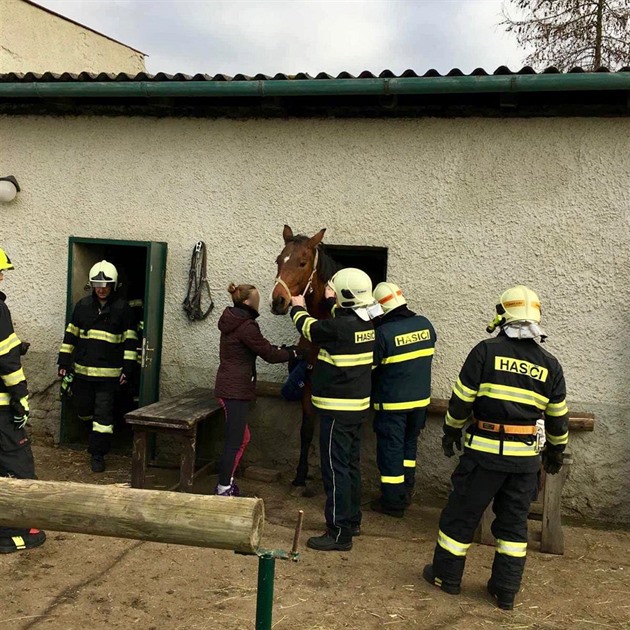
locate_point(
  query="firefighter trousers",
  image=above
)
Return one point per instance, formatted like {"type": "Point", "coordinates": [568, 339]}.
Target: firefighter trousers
{"type": "Point", "coordinates": [16, 459]}
{"type": "Point", "coordinates": [339, 447]}
{"type": "Point", "coordinates": [474, 487]}
{"type": "Point", "coordinates": [94, 402]}
{"type": "Point", "coordinates": [396, 448]}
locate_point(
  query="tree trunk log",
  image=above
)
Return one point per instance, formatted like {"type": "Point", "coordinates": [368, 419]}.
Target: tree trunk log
{"type": "Point", "coordinates": [167, 517]}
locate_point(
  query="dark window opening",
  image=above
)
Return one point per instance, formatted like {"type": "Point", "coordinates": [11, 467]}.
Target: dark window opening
{"type": "Point", "coordinates": [372, 260]}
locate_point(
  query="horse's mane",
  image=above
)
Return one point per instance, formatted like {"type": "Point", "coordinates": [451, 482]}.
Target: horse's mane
{"type": "Point", "coordinates": [326, 266]}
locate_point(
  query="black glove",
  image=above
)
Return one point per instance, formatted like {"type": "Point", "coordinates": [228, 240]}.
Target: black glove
{"type": "Point", "coordinates": [452, 437]}
{"type": "Point", "coordinates": [296, 352]}
{"type": "Point", "coordinates": [552, 459]}
{"type": "Point", "coordinates": [24, 346]}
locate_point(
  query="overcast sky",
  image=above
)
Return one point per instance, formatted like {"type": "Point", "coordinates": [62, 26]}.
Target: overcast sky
{"type": "Point", "coordinates": [290, 36]}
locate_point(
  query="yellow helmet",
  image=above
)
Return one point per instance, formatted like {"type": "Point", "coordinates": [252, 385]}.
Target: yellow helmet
{"type": "Point", "coordinates": [5, 261]}
{"type": "Point", "coordinates": [353, 288]}
{"type": "Point", "coordinates": [389, 296]}
{"type": "Point", "coordinates": [518, 304]}
{"type": "Point", "coordinates": [102, 274]}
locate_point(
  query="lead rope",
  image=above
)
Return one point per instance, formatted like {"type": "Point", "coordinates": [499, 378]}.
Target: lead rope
{"type": "Point", "coordinates": [197, 280]}
{"type": "Point", "coordinates": [309, 285]}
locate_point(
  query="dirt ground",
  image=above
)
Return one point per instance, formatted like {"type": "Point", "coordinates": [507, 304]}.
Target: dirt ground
{"type": "Point", "coordinates": [78, 581]}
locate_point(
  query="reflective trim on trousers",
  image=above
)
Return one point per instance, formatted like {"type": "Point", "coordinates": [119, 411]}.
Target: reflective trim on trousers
{"type": "Point", "coordinates": [451, 545]}
{"type": "Point", "coordinates": [394, 480]}
{"type": "Point", "coordinates": [102, 428]}
{"type": "Point", "coordinates": [514, 549]}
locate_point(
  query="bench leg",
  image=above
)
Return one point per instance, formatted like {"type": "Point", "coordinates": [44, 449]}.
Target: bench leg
{"type": "Point", "coordinates": [552, 540]}
{"type": "Point", "coordinates": [139, 459]}
{"type": "Point", "coordinates": [187, 468]}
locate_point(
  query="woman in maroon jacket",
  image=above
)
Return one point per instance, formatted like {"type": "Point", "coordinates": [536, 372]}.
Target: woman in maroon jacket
{"type": "Point", "coordinates": [241, 343]}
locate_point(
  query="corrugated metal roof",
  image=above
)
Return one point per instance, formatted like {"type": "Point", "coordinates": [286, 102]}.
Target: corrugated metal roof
{"type": "Point", "coordinates": [29, 77]}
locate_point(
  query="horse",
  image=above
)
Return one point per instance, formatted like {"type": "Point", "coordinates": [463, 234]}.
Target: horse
{"type": "Point", "coordinates": [304, 268]}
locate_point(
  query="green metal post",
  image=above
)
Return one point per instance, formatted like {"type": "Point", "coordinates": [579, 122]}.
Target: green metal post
{"type": "Point", "coordinates": [264, 600]}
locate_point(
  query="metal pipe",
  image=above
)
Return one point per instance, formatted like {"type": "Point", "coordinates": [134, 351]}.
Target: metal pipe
{"type": "Point", "coordinates": [264, 598]}
{"type": "Point", "coordinates": [321, 87]}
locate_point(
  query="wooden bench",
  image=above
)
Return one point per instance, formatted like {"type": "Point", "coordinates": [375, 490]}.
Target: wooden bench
{"type": "Point", "coordinates": [177, 418]}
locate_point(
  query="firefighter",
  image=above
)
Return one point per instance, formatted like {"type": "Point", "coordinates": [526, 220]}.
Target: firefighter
{"type": "Point", "coordinates": [515, 391]}
{"type": "Point", "coordinates": [99, 346]}
{"type": "Point", "coordinates": [341, 383]}
{"type": "Point", "coordinates": [401, 390]}
{"type": "Point", "coordinates": [16, 456]}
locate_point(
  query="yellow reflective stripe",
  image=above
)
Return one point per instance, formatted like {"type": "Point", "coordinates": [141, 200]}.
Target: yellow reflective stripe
{"type": "Point", "coordinates": [409, 356]}
{"type": "Point", "coordinates": [463, 392]}
{"type": "Point", "coordinates": [8, 344]}
{"type": "Point", "coordinates": [557, 409]}
{"type": "Point", "coordinates": [411, 404]}
{"type": "Point", "coordinates": [513, 449]}
{"type": "Point", "coordinates": [130, 355]}
{"type": "Point", "coordinates": [130, 334]}
{"type": "Point", "coordinates": [101, 335]}
{"type": "Point", "coordinates": [409, 463]}
{"type": "Point", "coordinates": [345, 360]}
{"type": "Point", "coordinates": [67, 348]}
{"type": "Point", "coordinates": [509, 548]}
{"type": "Point", "coordinates": [451, 545]}
{"type": "Point", "coordinates": [397, 479]}
{"type": "Point", "coordinates": [72, 329]}
{"type": "Point", "coordinates": [85, 418]}
{"type": "Point", "coordinates": [305, 326]}
{"type": "Point", "coordinates": [96, 371]}
{"type": "Point", "coordinates": [557, 439]}
{"type": "Point", "coordinates": [14, 378]}
{"type": "Point", "coordinates": [19, 542]}
{"type": "Point", "coordinates": [454, 422]}
{"type": "Point", "coordinates": [102, 428]}
{"type": "Point", "coordinates": [341, 404]}
{"type": "Point", "coordinates": [5, 398]}
{"type": "Point", "coordinates": [513, 394]}
{"type": "Point", "coordinates": [134, 303]}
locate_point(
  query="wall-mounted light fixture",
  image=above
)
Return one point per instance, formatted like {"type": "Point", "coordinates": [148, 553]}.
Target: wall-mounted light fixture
{"type": "Point", "coordinates": [9, 188]}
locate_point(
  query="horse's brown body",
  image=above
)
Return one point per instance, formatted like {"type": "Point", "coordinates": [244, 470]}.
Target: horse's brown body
{"type": "Point", "coordinates": [296, 270]}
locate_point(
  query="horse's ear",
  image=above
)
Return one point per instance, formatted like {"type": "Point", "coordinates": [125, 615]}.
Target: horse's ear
{"type": "Point", "coordinates": [314, 241]}
{"type": "Point", "coordinates": [287, 233]}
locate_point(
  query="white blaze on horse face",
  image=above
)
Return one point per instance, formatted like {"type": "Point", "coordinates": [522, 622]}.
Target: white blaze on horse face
{"type": "Point", "coordinates": [287, 258]}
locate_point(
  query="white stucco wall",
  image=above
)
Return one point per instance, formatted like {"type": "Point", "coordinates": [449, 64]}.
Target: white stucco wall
{"type": "Point", "coordinates": [466, 207]}
{"type": "Point", "coordinates": [34, 40]}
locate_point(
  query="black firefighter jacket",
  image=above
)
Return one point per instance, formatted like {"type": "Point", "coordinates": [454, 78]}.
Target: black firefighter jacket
{"type": "Point", "coordinates": [100, 341]}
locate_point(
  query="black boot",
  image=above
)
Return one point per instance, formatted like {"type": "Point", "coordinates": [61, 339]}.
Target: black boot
{"type": "Point", "coordinates": [20, 541]}
{"type": "Point", "coordinates": [447, 587]}
{"type": "Point", "coordinates": [98, 463]}
{"type": "Point", "coordinates": [329, 542]}
{"type": "Point", "coordinates": [505, 599]}
{"type": "Point", "coordinates": [355, 530]}
{"type": "Point", "coordinates": [378, 506]}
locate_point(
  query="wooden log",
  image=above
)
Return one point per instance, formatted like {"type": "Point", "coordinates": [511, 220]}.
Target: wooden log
{"type": "Point", "coordinates": [168, 517]}
{"type": "Point", "coordinates": [552, 540]}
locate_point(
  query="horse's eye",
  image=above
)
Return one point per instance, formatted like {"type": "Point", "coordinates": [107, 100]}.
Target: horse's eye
{"type": "Point", "coordinates": [303, 264]}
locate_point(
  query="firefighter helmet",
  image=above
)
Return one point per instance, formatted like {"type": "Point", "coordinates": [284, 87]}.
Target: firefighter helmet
{"type": "Point", "coordinates": [353, 288]}
{"type": "Point", "coordinates": [389, 296]}
{"type": "Point", "coordinates": [518, 304]}
{"type": "Point", "coordinates": [102, 274]}
{"type": "Point", "coordinates": [5, 261]}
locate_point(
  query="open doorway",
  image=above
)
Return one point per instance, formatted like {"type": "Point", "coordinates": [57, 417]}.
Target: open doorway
{"type": "Point", "coordinates": [372, 260]}
{"type": "Point", "coordinates": [141, 269]}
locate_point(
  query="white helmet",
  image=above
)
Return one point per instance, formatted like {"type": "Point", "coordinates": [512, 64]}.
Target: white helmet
{"type": "Point", "coordinates": [389, 296]}
{"type": "Point", "coordinates": [518, 304]}
{"type": "Point", "coordinates": [102, 274]}
{"type": "Point", "coordinates": [353, 288]}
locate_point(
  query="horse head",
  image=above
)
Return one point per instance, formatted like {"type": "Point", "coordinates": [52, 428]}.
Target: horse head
{"type": "Point", "coordinates": [297, 268]}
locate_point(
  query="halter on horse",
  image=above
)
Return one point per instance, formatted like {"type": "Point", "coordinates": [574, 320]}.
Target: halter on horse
{"type": "Point", "coordinates": [303, 270]}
